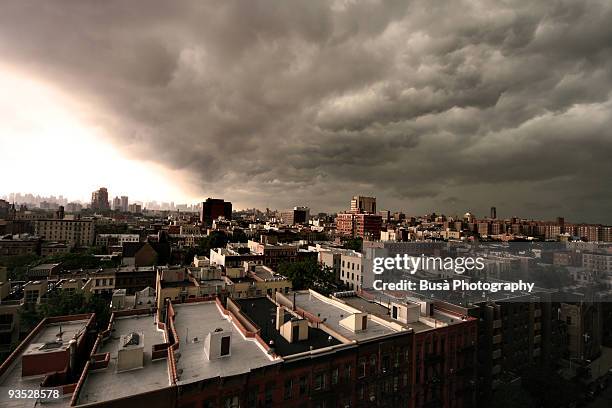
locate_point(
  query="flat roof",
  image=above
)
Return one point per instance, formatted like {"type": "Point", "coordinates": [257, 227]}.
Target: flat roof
{"type": "Point", "coordinates": [383, 312]}
{"type": "Point", "coordinates": [45, 266]}
{"type": "Point", "coordinates": [262, 312]}
{"type": "Point", "coordinates": [402, 297]}
{"type": "Point", "coordinates": [264, 273]}
{"type": "Point", "coordinates": [107, 384]}
{"type": "Point", "coordinates": [333, 311]}
{"type": "Point", "coordinates": [12, 379]}
{"type": "Point", "coordinates": [197, 320]}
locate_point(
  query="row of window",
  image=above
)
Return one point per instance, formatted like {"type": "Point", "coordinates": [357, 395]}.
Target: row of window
{"type": "Point", "coordinates": [350, 265]}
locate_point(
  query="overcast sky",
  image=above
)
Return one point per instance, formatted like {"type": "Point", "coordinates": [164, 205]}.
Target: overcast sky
{"type": "Point", "coordinates": [428, 105]}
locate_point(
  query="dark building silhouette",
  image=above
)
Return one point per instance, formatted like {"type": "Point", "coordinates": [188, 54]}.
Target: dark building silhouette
{"type": "Point", "coordinates": [214, 208]}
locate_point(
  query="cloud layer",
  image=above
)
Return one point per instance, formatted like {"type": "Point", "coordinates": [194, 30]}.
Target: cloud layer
{"type": "Point", "coordinates": [429, 105]}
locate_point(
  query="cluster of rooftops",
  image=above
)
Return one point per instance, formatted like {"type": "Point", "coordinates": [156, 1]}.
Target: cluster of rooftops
{"type": "Point", "coordinates": [142, 351]}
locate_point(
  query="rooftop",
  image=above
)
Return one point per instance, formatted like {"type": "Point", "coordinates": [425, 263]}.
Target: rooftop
{"type": "Point", "coordinates": [331, 311]}
{"type": "Point", "coordinates": [197, 320]}
{"type": "Point", "coordinates": [381, 299]}
{"type": "Point", "coordinates": [45, 266]}
{"type": "Point", "coordinates": [108, 384]}
{"type": "Point", "coordinates": [383, 312]}
{"type": "Point", "coordinates": [262, 312]}
{"type": "Point", "coordinates": [265, 273]}
{"type": "Point", "coordinates": [12, 376]}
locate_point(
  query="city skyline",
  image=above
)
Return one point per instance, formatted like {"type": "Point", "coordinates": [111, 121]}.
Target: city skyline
{"type": "Point", "coordinates": [425, 106]}
{"type": "Point", "coordinates": [164, 205]}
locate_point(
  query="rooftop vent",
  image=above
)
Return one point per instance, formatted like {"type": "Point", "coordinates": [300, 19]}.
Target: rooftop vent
{"type": "Point", "coordinates": [51, 345]}
{"type": "Point", "coordinates": [132, 339]}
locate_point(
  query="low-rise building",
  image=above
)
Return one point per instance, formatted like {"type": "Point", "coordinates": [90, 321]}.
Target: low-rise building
{"type": "Point", "coordinates": [107, 240]}
{"type": "Point", "coordinates": [50, 357]}
{"type": "Point", "coordinates": [256, 280]}
{"type": "Point", "coordinates": [16, 246]}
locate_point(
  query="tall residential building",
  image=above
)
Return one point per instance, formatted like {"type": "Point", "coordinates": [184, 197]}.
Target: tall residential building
{"type": "Point", "coordinates": [361, 204]}
{"type": "Point", "coordinates": [366, 226]}
{"type": "Point", "coordinates": [75, 233]}
{"type": "Point", "coordinates": [99, 199]}
{"type": "Point", "coordinates": [135, 208]}
{"type": "Point", "coordinates": [298, 215]}
{"type": "Point", "coordinates": [116, 203]}
{"type": "Point", "coordinates": [214, 208]}
{"type": "Point", "coordinates": [124, 203]}
{"type": "Point", "coordinates": [4, 209]}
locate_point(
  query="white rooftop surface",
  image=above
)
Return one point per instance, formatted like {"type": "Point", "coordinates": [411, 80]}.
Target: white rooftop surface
{"type": "Point", "coordinates": [197, 320]}
{"type": "Point", "coordinates": [108, 384]}
{"type": "Point", "coordinates": [12, 377]}
{"type": "Point", "coordinates": [333, 311]}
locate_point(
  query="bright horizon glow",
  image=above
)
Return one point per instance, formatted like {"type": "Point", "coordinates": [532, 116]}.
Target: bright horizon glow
{"type": "Point", "coordinates": [47, 149]}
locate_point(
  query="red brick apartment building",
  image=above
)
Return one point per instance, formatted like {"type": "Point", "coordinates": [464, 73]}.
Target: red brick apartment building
{"type": "Point", "coordinates": [359, 225]}
{"type": "Point", "coordinates": [300, 349]}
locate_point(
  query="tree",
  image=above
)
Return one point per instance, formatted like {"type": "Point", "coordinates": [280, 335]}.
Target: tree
{"type": "Point", "coordinates": [355, 244]}
{"type": "Point", "coordinates": [309, 274]}
{"type": "Point", "coordinates": [63, 303]}
{"type": "Point", "coordinates": [17, 265]}
{"type": "Point", "coordinates": [238, 236]}
{"type": "Point", "coordinates": [551, 276]}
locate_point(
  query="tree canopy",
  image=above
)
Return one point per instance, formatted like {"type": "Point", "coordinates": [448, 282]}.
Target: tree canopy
{"type": "Point", "coordinates": [309, 274]}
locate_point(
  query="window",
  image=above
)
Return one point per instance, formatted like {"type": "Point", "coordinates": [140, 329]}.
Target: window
{"type": "Point", "coordinates": [252, 398]}
{"type": "Point", "coordinates": [268, 394]}
{"type": "Point", "coordinates": [334, 376]}
{"type": "Point", "coordinates": [373, 362]}
{"type": "Point", "coordinates": [303, 386]}
{"type": "Point", "coordinates": [231, 402]}
{"type": "Point", "coordinates": [362, 368]}
{"type": "Point", "coordinates": [347, 372]}
{"type": "Point", "coordinates": [386, 363]}
{"type": "Point", "coordinates": [288, 389]}
{"type": "Point", "coordinates": [319, 382]}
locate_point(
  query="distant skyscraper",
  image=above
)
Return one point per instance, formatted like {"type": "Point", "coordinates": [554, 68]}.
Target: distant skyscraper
{"type": "Point", "coordinates": [135, 208]}
{"type": "Point", "coordinates": [124, 203]}
{"type": "Point", "coordinates": [99, 199]}
{"type": "Point", "coordinates": [493, 213]}
{"type": "Point", "coordinates": [116, 204]}
{"type": "Point", "coordinates": [214, 208]}
{"type": "Point", "coordinates": [361, 204]}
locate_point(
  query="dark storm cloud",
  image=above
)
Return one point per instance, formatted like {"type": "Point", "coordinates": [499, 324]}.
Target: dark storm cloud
{"type": "Point", "coordinates": [429, 105]}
